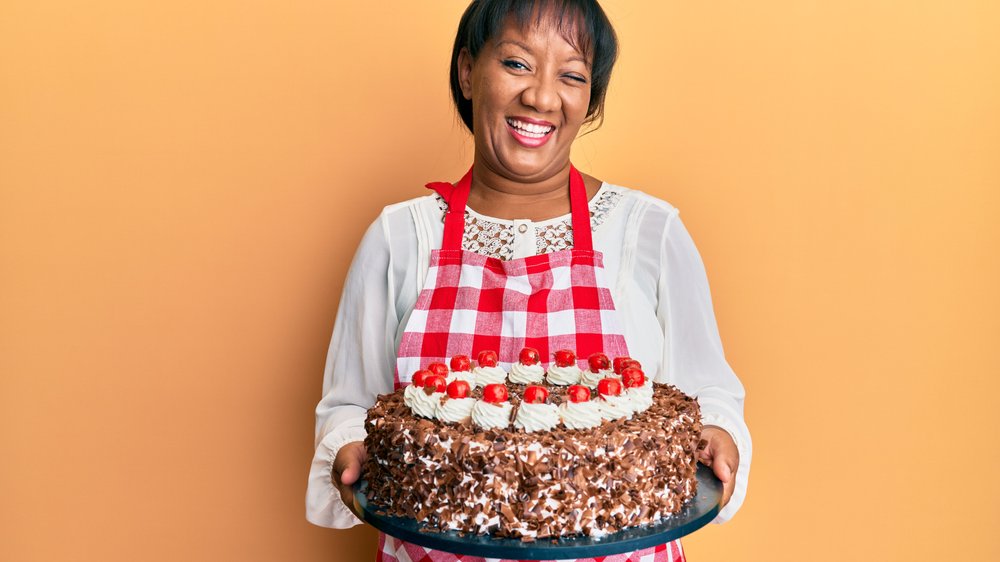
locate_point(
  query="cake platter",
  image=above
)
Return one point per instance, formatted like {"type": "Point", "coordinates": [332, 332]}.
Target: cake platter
{"type": "Point", "coordinates": [698, 513]}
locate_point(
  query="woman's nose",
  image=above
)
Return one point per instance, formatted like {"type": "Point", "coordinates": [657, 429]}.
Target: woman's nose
{"type": "Point", "coordinates": [541, 95]}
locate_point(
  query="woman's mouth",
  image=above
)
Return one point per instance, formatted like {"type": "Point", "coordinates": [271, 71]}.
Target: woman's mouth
{"type": "Point", "coordinates": [529, 133]}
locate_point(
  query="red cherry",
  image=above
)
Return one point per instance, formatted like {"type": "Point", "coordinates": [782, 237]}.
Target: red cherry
{"type": "Point", "coordinates": [633, 377]}
{"type": "Point", "coordinates": [458, 389]}
{"type": "Point", "coordinates": [529, 356]}
{"type": "Point", "coordinates": [630, 363]}
{"type": "Point", "coordinates": [578, 393]}
{"type": "Point", "coordinates": [565, 357]}
{"type": "Point", "coordinates": [436, 382]}
{"type": "Point", "coordinates": [461, 363]}
{"type": "Point", "coordinates": [598, 362]}
{"type": "Point", "coordinates": [487, 358]}
{"type": "Point", "coordinates": [419, 376]}
{"type": "Point", "coordinates": [438, 368]}
{"type": "Point", "coordinates": [618, 363]}
{"type": "Point", "coordinates": [495, 393]}
{"type": "Point", "coordinates": [535, 394]}
{"type": "Point", "coordinates": [609, 387]}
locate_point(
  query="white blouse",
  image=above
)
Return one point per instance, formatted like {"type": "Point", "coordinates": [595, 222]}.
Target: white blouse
{"type": "Point", "coordinates": [659, 287]}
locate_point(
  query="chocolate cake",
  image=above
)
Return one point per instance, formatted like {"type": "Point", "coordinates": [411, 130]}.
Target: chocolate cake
{"type": "Point", "coordinates": [633, 468]}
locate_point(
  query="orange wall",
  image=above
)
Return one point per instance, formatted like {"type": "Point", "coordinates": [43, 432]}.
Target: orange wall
{"type": "Point", "coordinates": [182, 185]}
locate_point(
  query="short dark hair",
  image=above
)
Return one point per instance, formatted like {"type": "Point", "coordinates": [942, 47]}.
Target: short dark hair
{"type": "Point", "coordinates": [595, 38]}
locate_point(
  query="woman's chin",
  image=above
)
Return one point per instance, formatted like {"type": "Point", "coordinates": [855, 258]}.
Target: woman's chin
{"type": "Point", "coordinates": [532, 164]}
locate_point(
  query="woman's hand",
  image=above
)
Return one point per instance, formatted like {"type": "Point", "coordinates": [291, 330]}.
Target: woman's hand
{"type": "Point", "coordinates": [722, 455]}
{"type": "Point", "coordinates": [347, 471]}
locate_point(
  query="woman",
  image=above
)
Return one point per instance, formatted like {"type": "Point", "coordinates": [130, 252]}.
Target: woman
{"type": "Point", "coordinates": [526, 77]}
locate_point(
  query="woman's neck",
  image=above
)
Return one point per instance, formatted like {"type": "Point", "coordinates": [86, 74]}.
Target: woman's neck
{"type": "Point", "coordinates": [496, 196]}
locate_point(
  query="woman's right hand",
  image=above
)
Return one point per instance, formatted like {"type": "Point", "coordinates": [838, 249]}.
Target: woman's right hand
{"type": "Point", "coordinates": [347, 471]}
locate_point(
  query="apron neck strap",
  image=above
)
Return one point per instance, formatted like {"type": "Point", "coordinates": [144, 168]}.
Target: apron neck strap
{"type": "Point", "coordinates": [580, 210]}
{"type": "Point", "coordinates": [458, 195]}
{"type": "Point", "coordinates": [454, 220]}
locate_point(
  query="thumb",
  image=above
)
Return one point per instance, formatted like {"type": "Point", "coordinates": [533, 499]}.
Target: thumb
{"type": "Point", "coordinates": [347, 465]}
{"type": "Point", "coordinates": [351, 471]}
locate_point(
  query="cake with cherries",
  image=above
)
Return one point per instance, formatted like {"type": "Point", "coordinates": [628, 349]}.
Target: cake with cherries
{"type": "Point", "coordinates": [533, 453]}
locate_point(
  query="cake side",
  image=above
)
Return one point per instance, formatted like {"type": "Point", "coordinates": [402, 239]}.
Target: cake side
{"type": "Point", "coordinates": [512, 483]}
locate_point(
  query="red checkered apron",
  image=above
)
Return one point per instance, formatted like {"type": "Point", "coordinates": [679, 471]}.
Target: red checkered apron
{"type": "Point", "coordinates": [471, 302]}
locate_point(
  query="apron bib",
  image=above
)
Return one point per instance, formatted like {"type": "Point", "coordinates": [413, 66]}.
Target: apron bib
{"type": "Point", "coordinates": [471, 302]}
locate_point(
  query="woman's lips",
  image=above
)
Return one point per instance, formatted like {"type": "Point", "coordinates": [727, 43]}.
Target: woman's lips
{"type": "Point", "coordinates": [530, 132]}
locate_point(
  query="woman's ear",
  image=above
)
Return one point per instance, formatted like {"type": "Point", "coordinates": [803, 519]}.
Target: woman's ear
{"type": "Point", "coordinates": [465, 73]}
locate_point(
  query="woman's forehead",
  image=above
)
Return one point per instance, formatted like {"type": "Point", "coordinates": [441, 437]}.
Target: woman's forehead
{"type": "Point", "coordinates": [543, 24]}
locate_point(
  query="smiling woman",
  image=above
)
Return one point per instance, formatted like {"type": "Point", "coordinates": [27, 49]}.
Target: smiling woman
{"type": "Point", "coordinates": [526, 77]}
{"type": "Point", "coordinates": [530, 93]}
{"type": "Point", "coordinates": [581, 24]}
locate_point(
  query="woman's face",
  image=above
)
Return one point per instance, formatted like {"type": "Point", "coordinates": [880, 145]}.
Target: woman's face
{"type": "Point", "coordinates": [530, 91]}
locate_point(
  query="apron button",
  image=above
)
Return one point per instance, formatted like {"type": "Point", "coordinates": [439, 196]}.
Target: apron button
{"type": "Point", "coordinates": [522, 228]}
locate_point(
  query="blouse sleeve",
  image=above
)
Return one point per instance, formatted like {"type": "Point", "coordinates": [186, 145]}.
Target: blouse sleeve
{"type": "Point", "coordinates": [359, 367]}
{"type": "Point", "coordinates": [692, 353]}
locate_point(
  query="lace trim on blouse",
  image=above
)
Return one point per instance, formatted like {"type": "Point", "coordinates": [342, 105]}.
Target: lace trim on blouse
{"type": "Point", "coordinates": [495, 237]}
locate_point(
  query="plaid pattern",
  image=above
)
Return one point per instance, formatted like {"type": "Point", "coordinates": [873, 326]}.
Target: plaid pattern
{"type": "Point", "coordinates": [472, 302]}
{"type": "Point", "coordinates": [395, 550]}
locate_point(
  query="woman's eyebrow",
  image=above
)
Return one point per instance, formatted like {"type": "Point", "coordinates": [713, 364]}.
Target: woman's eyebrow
{"type": "Point", "coordinates": [513, 42]}
{"type": "Point", "coordinates": [576, 57]}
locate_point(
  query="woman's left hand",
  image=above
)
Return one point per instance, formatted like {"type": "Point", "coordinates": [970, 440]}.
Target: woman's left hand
{"type": "Point", "coordinates": [722, 455]}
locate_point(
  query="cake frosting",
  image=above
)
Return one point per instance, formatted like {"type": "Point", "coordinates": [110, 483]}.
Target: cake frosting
{"type": "Point", "coordinates": [563, 376]}
{"type": "Point", "coordinates": [536, 417]}
{"type": "Point", "coordinates": [533, 469]}
{"type": "Point", "coordinates": [467, 376]}
{"type": "Point", "coordinates": [487, 415]}
{"type": "Point", "coordinates": [590, 378]}
{"type": "Point", "coordinates": [582, 415]}
{"type": "Point", "coordinates": [489, 375]}
{"type": "Point", "coordinates": [410, 394]}
{"type": "Point", "coordinates": [455, 410]}
{"type": "Point", "coordinates": [424, 403]}
{"type": "Point", "coordinates": [641, 397]}
{"type": "Point", "coordinates": [615, 407]}
{"type": "Point", "coordinates": [526, 374]}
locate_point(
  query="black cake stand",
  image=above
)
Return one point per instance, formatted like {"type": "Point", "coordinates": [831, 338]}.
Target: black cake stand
{"type": "Point", "coordinates": [698, 513]}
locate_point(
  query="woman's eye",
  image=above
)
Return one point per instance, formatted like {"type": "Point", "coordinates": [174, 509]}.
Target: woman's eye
{"type": "Point", "coordinates": [576, 77]}
{"type": "Point", "coordinates": [516, 65]}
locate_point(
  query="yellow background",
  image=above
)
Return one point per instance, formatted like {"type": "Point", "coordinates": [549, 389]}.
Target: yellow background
{"type": "Point", "coordinates": [183, 184]}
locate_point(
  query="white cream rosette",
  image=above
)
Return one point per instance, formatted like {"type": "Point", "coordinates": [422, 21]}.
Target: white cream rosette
{"type": "Point", "coordinates": [488, 415]}
{"type": "Point", "coordinates": [590, 379]}
{"type": "Point", "coordinates": [425, 405]}
{"type": "Point", "coordinates": [641, 397]}
{"type": "Point", "coordinates": [564, 376]}
{"type": "Point", "coordinates": [410, 393]}
{"type": "Point", "coordinates": [466, 376]}
{"type": "Point", "coordinates": [489, 375]}
{"type": "Point", "coordinates": [455, 410]}
{"type": "Point", "coordinates": [580, 415]}
{"type": "Point", "coordinates": [533, 417]}
{"type": "Point", "coordinates": [615, 407]}
{"type": "Point", "coordinates": [527, 374]}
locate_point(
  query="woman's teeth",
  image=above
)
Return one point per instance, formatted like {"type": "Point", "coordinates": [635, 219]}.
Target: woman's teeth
{"type": "Point", "coordinates": [530, 130]}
